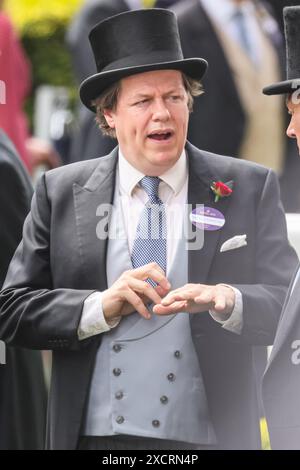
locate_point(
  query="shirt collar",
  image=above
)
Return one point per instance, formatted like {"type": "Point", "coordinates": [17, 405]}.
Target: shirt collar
{"type": "Point", "coordinates": [134, 4]}
{"type": "Point", "coordinates": [175, 177]}
{"type": "Point", "coordinates": [223, 10]}
{"type": "Point", "coordinates": [220, 10]}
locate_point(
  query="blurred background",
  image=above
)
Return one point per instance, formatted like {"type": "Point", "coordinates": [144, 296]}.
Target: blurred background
{"type": "Point", "coordinates": [45, 55]}
{"type": "Point", "coordinates": [41, 27]}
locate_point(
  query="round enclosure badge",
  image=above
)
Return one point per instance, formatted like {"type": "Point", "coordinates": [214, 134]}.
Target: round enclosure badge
{"type": "Point", "coordinates": [207, 218]}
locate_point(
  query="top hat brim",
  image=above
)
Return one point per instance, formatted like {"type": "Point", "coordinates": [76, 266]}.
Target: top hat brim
{"type": "Point", "coordinates": [281, 88]}
{"type": "Point", "coordinates": [92, 87]}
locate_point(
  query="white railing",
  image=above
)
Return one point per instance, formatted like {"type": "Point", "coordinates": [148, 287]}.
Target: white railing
{"type": "Point", "coordinates": [293, 225]}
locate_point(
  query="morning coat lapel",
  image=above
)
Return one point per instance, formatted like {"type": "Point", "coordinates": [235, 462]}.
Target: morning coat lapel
{"type": "Point", "coordinates": [89, 201]}
{"type": "Point", "coordinates": [201, 176]}
{"type": "Point", "coordinates": [289, 317]}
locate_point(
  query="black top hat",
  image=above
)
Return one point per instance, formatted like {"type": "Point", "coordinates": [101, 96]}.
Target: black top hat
{"type": "Point", "coordinates": [291, 17]}
{"type": "Point", "coordinates": [134, 42]}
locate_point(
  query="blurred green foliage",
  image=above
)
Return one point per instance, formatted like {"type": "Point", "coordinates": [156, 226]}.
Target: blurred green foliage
{"type": "Point", "coordinates": [47, 52]}
{"type": "Point", "coordinates": [42, 25]}
{"type": "Point", "coordinates": [44, 43]}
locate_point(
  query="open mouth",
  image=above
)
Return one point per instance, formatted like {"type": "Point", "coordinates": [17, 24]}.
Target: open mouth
{"type": "Point", "coordinates": [159, 136]}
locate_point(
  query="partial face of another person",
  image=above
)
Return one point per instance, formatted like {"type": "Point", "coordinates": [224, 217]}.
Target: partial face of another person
{"type": "Point", "coordinates": [151, 120]}
{"type": "Point", "coordinates": [293, 131]}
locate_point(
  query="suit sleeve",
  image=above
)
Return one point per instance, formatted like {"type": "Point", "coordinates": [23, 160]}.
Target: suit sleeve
{"type": "Point", "coordinates": [275, 263]}
{"type": "Point", "coordinates": [32, 313]}
{"type": "Point", "coordinates": [14, 206]}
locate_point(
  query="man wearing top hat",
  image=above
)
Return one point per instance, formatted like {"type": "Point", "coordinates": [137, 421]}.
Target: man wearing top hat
{"type": "Point", "coordinates": [151, 326]}
{"type": "Point", "coordinates": [281, 380]}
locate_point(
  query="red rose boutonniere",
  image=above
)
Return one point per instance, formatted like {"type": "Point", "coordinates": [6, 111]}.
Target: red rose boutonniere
{"type": "Point", "coordinates": [221, 189]}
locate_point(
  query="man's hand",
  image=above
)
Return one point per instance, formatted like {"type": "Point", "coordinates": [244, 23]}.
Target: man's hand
{"type": "Point", "coordinates": [42, 153]}
{"type": "Point", "coordinates": [131, 292]}
{"type": "Point", "coordinates": [195, 298]}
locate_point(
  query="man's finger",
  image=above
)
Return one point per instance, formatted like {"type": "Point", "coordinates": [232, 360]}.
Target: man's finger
{"type": "Point", "coordinates": [159, 278]}
{"type": "Point", "coordinates": [178, 296]}
{"type": "Point", "coordinates": [154, 272]}
{"type": "Point", "coordinates": [205, 297]}
{"type": "Point", "coordinates": [145, 289]}
{"type": "Point", "coordinates": [220, 302]}
{"type": "Point", "coordinates": [137, 303]}
{"type": "Point", "coordinates": [161, 291]}
{"type": "Point", "coordinates": [171, 309]}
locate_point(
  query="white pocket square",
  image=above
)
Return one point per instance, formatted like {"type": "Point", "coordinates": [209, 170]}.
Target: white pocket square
{"type": "Point", "coordinates": [233, 243]}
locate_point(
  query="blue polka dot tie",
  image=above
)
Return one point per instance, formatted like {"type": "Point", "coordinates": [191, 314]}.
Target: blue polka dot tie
{"type": "Point", "coordinates": [241, 27]}
{"type": "Point", "coordinates": [150, 242]}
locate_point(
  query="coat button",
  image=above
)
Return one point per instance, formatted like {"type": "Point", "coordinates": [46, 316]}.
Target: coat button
{"type": "Point", "coordinates": [117, 347]}
{"type": "Point", "coordinates": [155, 423]}
{"type": "Point", "coordinates": [120, 419]}
{"type": "Point", "coordinates": [171, 377]}
{"type": "Point", "coordinates": [164, 400]}
{"type": "Point", "coordinates": [117, 372]}
{"type": "Point", "coordinates": [177, 354]}
{"type": "Point", "coordinates": [119, 395]}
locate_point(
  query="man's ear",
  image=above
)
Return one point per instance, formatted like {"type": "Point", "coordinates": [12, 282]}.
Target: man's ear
{"type": "Point", "coordinates": [109, 116]}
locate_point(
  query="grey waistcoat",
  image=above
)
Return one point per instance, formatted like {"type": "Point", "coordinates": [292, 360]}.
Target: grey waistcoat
{"type": "Point", "coordinates": [147, 381]}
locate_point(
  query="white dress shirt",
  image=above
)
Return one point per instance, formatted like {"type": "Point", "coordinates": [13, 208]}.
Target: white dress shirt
{"type": "Point", "coordinates": [173, 192]}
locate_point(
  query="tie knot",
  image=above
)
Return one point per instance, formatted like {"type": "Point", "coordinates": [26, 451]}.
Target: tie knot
{"type": "Point", "coordinates": [150, 184]}
{"type": "Point", "coordinates": [238, 13]}
{"type": "Point", "coordinates": [243, 37]}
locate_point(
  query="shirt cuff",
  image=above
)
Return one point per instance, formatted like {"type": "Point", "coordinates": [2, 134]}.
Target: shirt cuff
{"type": "Point", "coordinates": [92, 320]}
{"type": "Point", "coordinates": [234, 322]}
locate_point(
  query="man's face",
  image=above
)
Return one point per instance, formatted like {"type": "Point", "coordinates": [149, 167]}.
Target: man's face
{"type": "Point", "coordinates": [151, 120]}
{"type": "Point", "coordinates": [293, 131]}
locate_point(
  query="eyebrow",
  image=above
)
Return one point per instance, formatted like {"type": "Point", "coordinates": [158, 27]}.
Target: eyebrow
{"type": "Point", "coordinates": [147, 95]}
{"type": "Point", "coordinates": [140, 95]}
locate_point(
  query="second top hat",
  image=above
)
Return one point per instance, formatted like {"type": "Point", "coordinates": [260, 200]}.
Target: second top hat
{"type": "Point", "coordinates": [291, 18]}
{"type": "Point", "coordinates": [134, 42]}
